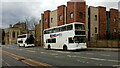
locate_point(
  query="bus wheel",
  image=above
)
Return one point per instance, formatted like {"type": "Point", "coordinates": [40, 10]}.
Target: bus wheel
{"type": "Point", "coordinates": [49, 47]}
{"type": "Point", "coordinates": [64, 48]}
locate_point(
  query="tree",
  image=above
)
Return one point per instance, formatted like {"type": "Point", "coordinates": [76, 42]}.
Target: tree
{"type": "Point", "coordinates": [31, 22]}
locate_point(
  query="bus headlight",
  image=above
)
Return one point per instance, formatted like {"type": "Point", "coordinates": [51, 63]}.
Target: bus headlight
{"type": "Point", "coordinates": [85, 43]}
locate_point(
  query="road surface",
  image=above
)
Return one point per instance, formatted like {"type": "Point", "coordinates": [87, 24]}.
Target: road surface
{"type": "Point", "coordinates": [13, 55]}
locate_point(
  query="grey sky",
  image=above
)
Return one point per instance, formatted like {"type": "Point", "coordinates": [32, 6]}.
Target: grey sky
{"type": "Point", "coordinates": [13, 11]}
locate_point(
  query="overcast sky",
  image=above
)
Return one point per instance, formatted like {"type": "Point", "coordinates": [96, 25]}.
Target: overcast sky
{"type": "Point", "coordinates": [13, 11]}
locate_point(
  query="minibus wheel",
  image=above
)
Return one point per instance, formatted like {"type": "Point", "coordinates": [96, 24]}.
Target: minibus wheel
{"type": "Point", "coordinates": [64, 48]}
{"type": "Point", "coordinates": [49, 47]}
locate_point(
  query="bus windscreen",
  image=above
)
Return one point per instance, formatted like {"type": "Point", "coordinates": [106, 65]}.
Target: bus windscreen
{"type": "Point", "coordinates": [79, 39]}
{"type": "Point", "coordinates": [79, 27]}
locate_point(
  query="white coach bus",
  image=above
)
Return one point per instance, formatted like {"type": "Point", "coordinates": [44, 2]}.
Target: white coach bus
{"type": "Point", "coordinates": [67, 37]}
{"type": "Point", "coordinates": [25, 40]}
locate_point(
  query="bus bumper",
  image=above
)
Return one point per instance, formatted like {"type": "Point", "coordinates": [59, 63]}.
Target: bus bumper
{"type": "Point", "coordinates": [78, 48]}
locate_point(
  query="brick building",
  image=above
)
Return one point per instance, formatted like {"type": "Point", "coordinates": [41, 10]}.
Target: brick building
{"type": "Point", "coordinates": [61, 15]}
{"type": "Point", "coordinates": [86, 24]}
{"type": "Point", "coordinates": [119, 25]}
{"type": "Point", "coordinates": [65, 15]}
{"type": "Point", "coordinates": [47, 19]}
{"type": "Point", "coordinates": [75, 13]}
{"type": "Point", "coordinates": [102, 22]}
{"type": "Point", "coordinates": [53, 18]}
{"type": "Point", "coordinates": [108, 25]}
{"type": "Point", "coordinates": [93, 22]}
{"type": "Point", "coordinates": [98, 21]}
{"type": "Point", "coordinates": [114, 23]}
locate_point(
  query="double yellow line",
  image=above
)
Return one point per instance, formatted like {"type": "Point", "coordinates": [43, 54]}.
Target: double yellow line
{"type": "Point", "coordinates": [28, 61]}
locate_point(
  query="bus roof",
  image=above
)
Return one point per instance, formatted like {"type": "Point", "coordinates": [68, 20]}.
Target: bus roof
{"type": "Point", "coordinates": [65, 25]}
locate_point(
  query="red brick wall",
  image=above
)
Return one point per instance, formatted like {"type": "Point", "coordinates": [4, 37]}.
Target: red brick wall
{"type": "Point", "coordinates": [113, 15]}
{"type": "Point", "coordinates": [76, 8]}
{"type": "Point", "coordinates": [81, 7]}
{"type": "Point", "coordinates": [70, 9]}
{"type": "Point", "coordinates": [102, 22]}
{"type": "Point", "coordinates": [61, 12]}
{"type": "Point", "coordinates": [46, 19]}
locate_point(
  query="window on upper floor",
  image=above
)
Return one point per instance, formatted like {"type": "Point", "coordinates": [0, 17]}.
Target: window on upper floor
{"type": "Point", "coordinates": [95, 29]}
{"type": "Point", "coordinates": [81, 15]}
{"type": "Point", "coordinates": [71, 15]}
{"type": "Point", "coordinates": [45, 20]}
{"type": "Point", "coordinates": [60, 18]}
{"type": "Point", "coordinates": [95, 17]}
{"type": "Point", "coordinates": [114, 20]}
{"type": "Point", "coordinates": [51, 20]}
{"type": "Point", "coordinates": [115, 30]}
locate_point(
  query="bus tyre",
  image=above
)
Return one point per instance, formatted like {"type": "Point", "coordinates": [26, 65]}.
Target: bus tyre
{"type": "Point", "coordinates": [65, 48]}
{"type": "Point", "coordinates": [49, 47]}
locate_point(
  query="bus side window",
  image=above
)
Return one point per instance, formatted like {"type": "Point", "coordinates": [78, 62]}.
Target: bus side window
{"type": "Point", "coordinates": [51, 40]}
{"type": "Point", "coordinates": [69, 27]}
{"type": "Point", "coordinates": [47, 32]}
{"type": "Point", "coordinates": [63, 28]}
{"type": "Point", "coordinates": [53, 31]}
{"type": "Point", "coordinates": [54, 40]}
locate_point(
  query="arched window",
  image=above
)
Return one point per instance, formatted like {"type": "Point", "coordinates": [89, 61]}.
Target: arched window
{"type": "Point", "coordinates": [13, 34]}
{"type": "Point", "coordinates": [95, 29]}
{"type": "Point", "coordinates": [95, 17]}
{"type": "Point", "coordinates": [71, 15]}
{"type": "Point", "coordinates": [115, 30]}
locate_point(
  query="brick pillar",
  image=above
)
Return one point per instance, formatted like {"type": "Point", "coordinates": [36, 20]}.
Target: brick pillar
{"type": "Point", "coordinates": [46, 19]}
{"type": "Point", "coordinates": [61, 11]}
{"type": "Point", "coordinates": [77, 8]}
{"type": "Point", "coordinates": [102, 22]}
{"type": "Point", "coordinates": [114, 16]}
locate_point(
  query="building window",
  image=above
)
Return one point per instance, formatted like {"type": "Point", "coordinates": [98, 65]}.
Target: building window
{"type": "Point", "coordinates": [51, 20]}
{"type": "Point", "coordinates": [60, 18]}
{"type": "Point", "coordinates": [13, 34]}
{"type": "Point", "coordinates": [45, 20]}
{"type": "Point", "coordinates": [17, 34]}
{"type": "Point", "coordinates": [114, 20]}
{"type": "Point", "coordinates": [115, 30]}
{"type": "Point", "coordinates": [95, 29]}
{"type": "Point", "coordinates": [95, 17]}
{"type": "Point", "coordinates": [71, 15]}
{"type": "Point", "coordinates": [81, 15]}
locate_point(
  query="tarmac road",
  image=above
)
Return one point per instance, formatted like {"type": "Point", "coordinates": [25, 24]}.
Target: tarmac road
{"type": "Point", "coordinates": [57, 58]}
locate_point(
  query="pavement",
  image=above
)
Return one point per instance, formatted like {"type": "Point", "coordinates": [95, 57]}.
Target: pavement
{"type": "Point", "coordinates": [104, 49]}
